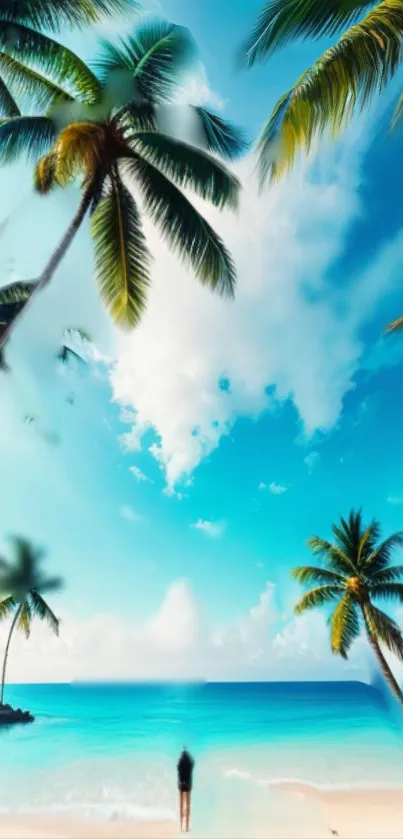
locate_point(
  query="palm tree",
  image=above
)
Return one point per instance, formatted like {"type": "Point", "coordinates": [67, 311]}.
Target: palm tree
{"type": "Point", "coordinates": [32, 64]}
{"type": "Point", "coordinates": [342, 81]}
{"type": "Point", "coordinates": [356, 572]}
{"type": "Point", "coordinates": [22, 584]}
{"type": "Point", "coordinates": [122, 156]}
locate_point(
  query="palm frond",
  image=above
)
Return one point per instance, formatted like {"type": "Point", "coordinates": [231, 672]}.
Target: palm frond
{"type": "Point", "coordinates": [184, 228]}
{"type": "Point", "coordinates": [25, 619]}
{"type": "Point", "coordinates": [80, 150]}
{"type": "Point", "coordinates": [121, 255]}
{"type": "Point", "coordinates": [30, 85]}
{"type": "Point", "coordinates": [137, 116]}
{"type": "Point", "coordinates": [8, 105]}
{"type": "Point", "coordinates": [7, 606]}
{"type": "Point", "coordinates": [387, 591]}
{"type": "Point", "coordinates": [54, 15]}
{"type": "Point", "coordinates": [14, 293]}
{"type": "Point", "coordinates": [332, 554]}
{"type": "Point", "coordinates": [387, 575]}
{"type": "Point", "coordinates": [397, 324]}
{"type": "Point", "coordinates": [154, 58]}
{"type": "Point", "coordinates": [311, 574]}
{"type": "Point", "coordinates": [40, 608]}
{"type": "Point", "coordinates": [319, 596]}
{"type": "Point", "coordinates": [32, 136]}
{"type": "Point", "coordinates": [45, 174]}
{"type": "Point", "coordinates": [284, 20]}
{"type": "Point", "coordinates": [344, 625]}
{"type": "Point", "coordinates": [220, 136]}
{"type": "Point", "coordinates": [381, 556]}
{"type": "Point", "coordinates": [55, 61]}
{"type": "Point", "coordinates": [345, 78]}
{"type": "Point", "coordinates": [13, 298]}
{"type": "Point", "coordinates": [384, 629]}
{"type": "Point", "coordinates": [367, 540]}
{"type": "Point", "coordinates": [188, 167]}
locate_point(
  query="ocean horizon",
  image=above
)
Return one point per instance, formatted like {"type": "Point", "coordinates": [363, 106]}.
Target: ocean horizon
{"type": "Point", "coordinates": [108, 750]}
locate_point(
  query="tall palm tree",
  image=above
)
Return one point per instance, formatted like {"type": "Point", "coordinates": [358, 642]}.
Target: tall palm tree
{"type": "Point", "coordinates": [356, 571]}
{"type": "Point", "coordinates": [34, 65]}
{"type": "Point", "coordinates": [342, 81]}
{"type": "Point", "coordinates": [119, 150]}
{"type": "Point", "coordinates": [22, 584]}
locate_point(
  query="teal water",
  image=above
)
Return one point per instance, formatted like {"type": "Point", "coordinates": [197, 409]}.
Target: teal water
{"type": "Point", "coordinates": [110, 750]}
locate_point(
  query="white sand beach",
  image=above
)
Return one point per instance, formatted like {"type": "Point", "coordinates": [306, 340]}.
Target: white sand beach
{"type": "Point", "coordinates": [369, 814]}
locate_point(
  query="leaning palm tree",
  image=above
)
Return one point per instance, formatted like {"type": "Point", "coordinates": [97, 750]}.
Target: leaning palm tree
{"type": "Point", "coordinates": [22, 584]}
{"type": "Point", "coordinates": [356, 571]}
{"type": "Point", "coordinates": [342, 81]}
{"type": "Point", "coordinates": [127, 163]}
{"type": "Point", "coordinates": [32, 64]}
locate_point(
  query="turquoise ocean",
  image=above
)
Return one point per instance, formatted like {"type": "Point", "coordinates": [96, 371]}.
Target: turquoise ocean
{"type": "Point", "coordinates": [109, 751]}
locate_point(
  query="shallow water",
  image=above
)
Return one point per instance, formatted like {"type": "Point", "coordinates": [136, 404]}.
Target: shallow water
{"type": "Point", "coordinates": [110, 750]}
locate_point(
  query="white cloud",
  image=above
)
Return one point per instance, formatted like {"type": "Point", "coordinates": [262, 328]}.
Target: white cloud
{"type": "Point", "coordinates": [171, 492]}
{"type": "Point", "coordinates": [396, 500]}
{"type": "Point", "coordinates": [275, 489]}
{"type": "Point", "coordinates": [288, 326]}
{"type": "Point", "coordinates": [129, 514]}
{"type": "Point", "coordinates": [177, 642]}
{"type": "Point", "coordinates": [311, 460]}
{"type": "Point", "coordinates": [210, 528]}
{"type": "Point", "coordinates": [139, 475]}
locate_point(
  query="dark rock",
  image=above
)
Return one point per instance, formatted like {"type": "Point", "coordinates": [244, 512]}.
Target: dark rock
{"type": "Point", "coordinates": [9, 715]}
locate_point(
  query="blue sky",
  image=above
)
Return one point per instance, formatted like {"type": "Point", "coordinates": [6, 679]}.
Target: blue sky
{"type": "Point", "coordinates": [253, 425]}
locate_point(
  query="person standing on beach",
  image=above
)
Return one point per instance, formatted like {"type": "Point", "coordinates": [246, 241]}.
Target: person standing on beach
{"type": "Point", "coordinates": [185, 781]}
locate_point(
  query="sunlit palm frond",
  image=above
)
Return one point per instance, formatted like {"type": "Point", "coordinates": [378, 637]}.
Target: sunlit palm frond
{"type": "Point", "coordinates": [395, 326]}
{"type": "Point", "coordinates": [121, 256]}
{"type": "Point", "coordinates": [284, 20]}
{"type": "Point", "coordinates": [40, 608]}
{"type": "Point", "coordinates": [30, 136]}
{"type": "Point", "coordinates": [387, 591]}
{"type": "Point", "coordinates": [56, 14]}
{"type": "Point", "coordinates": [184, 228]}
{"type": "Point", "coordinates": [332, 554]}
{"type": "Point", "coordinates": [311, 574]}
{"type": "Point", "coordinates": [7, 606]}
{"type": "Point", "coordinates": [189, 167]}
{"type": "Point", "coordinates": [79, 151]}
{"type": "Point", "coordinates": [153, 58]}
{"type": "Point", "coordinates": [344, 78]}
{"type": "Point", "coordinates": [45, 174]}
{"type": "Point", "coordinates": [344, 625]}
{"type": "Point", "coordinates": [384, 629]}
{"type": "Point", "coordinates": [30, 84]}
{"type": "Point", "coordinates": [316, 597]}
{"type": "Point", "coordinates": [8, 105]}
{"type": "Point", "coordinates": [55, 61]}
{"type": "Point", "coordinates": [220, 136]}
{"type": "Point", "coordinates": [367, 540]}
{"type": "Point", "coordinates": [25, 619]}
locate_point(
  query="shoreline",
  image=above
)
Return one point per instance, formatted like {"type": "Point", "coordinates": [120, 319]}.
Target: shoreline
{"type": "Point", "coordinates": [343, 814]}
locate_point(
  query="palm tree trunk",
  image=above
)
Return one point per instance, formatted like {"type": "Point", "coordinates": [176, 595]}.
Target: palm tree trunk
{"type": "Point", "coordinates": [383, 664]}
{"type": "Point", "coordinates": [54, 260]}
{"type": "Point", "coordinates": [3, 675]}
